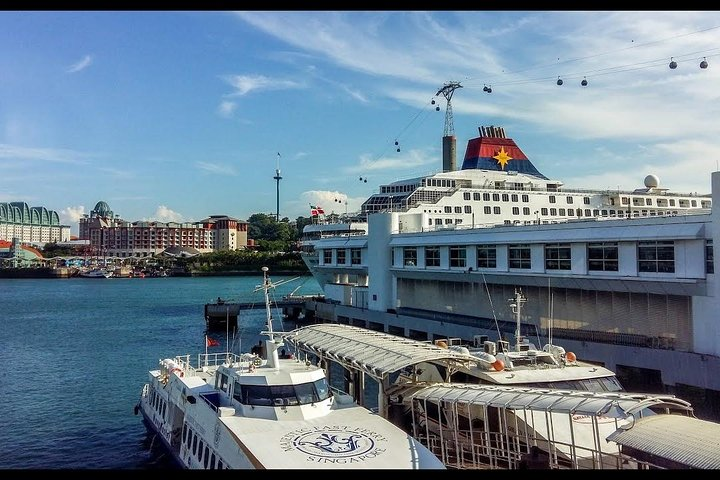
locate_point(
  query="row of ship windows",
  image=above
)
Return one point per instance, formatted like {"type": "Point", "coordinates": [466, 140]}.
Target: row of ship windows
{"type": "Point", "coordinates": [190, 439]}
{"type": "Point", "coordinates": [653, 256]}
{"type": "Point", "coordinates": [201, 450]}
{"type": "Point", "coordinates": [158, 403]}
{"type": "Point", "coordinates": [637, 201]}
{"type": "Point", "coordinates": [554, 212]}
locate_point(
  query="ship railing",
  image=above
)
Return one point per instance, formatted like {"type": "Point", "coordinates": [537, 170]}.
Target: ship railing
{"type": "Point", "coordinates": [495, 450]}
{"type": "Point", "coordinates": [205, 360]}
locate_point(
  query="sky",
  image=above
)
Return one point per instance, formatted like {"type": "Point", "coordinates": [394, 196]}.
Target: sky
{"type": "Point", "coordinates": [179, 115]}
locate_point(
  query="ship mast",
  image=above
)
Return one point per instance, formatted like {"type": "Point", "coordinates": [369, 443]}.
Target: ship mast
{"type": "Point", "coordinates": [271, 344]}
{"type": "Point", "coordinates": [516, 306]}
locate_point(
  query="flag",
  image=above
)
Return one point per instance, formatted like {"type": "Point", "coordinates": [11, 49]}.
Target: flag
{"type": "Point", "coordinates": [211, 342]}
{"type": "Point", "coordinates": [316, 210]}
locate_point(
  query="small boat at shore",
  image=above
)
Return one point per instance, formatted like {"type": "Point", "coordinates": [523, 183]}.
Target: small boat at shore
{"type": "Point", "coordinates": [96, 273]}
{"type": "Point", "coordinates": [267, 410]}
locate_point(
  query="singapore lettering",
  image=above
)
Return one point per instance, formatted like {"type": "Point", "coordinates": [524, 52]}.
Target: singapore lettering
{"type": "Point", "coordinates": [338, 444]}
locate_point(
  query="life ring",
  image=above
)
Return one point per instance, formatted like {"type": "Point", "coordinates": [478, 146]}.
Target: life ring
{"type": "Point", "coordinates": [178, 371]}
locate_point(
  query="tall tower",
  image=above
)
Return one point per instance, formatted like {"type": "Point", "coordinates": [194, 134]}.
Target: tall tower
{"type": "Point", "coordinates": [449, 141]}
{"type": "Point", "coordinates": [277, 178]}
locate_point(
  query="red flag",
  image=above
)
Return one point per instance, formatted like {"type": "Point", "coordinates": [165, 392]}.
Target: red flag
{"type": "Point", "coordinates": [211, 342]}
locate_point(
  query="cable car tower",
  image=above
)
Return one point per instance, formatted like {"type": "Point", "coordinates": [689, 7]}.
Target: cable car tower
{"type": "Point", "coordinates": [449, 141]}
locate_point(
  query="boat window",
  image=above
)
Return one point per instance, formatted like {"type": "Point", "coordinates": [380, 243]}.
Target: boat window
{"type": "Point", "coordinates": [321, 387]}
{"type": "Point", "coordinates": [219, 464]}
{"type": "Point", "coordinates": [194, 443]}
{"type": "Point", "coordinates": [212, 461]}
{"type": "Point", "coordinates": [279, 395]}
{"type": "Point", "coordinates": [237, 392]}
{"type": "Point", "coordinates": [207, 456]}
{"type": "Point", "coordinates": [283, 395]}
{"type": "Point", "coordinates": [612, 384]}
{"type": "Point", "coordinates": [305, 393]}
{"type": "Point", "coordinates": [221, 381]}
{"type": "Point", "coordinates": [184, 434]}
{"type": "Point", "coordinates": [201, 444]}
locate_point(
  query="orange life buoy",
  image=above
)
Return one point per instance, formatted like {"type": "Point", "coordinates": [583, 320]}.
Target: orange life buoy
{"type": "Point", "coordinates": [177, 371]}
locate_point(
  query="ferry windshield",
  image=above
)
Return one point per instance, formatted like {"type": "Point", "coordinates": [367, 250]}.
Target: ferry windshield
{"type": "Point", "coordinates": [278, 395]}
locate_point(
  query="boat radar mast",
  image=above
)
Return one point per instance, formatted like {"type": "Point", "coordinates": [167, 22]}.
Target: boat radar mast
{"type": "Point", "coordinates": [516, 305]}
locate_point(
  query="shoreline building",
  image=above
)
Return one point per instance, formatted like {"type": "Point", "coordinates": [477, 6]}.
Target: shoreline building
{"type": "Point", "coordinates": [112, 237]}
{"type": "Point", "coordinates": [31, 224]}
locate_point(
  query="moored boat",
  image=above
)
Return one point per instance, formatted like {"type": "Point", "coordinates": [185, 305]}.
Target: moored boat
{"type": "Point", "coordinates": [267, 410]}
{"type": "Point", "coordinates": [96, 273]}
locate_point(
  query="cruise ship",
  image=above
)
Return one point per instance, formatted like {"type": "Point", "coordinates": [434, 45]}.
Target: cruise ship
{"type": "Point", "coordinates": [623, 278]}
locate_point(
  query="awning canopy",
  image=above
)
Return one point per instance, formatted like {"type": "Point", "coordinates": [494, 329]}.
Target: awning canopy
{"type": "Point", "coordinates": [376, 353]}
{"type": "Point", "coordinates": [576, 402]}
{"type": "Point", "coordinates": [684, 440]}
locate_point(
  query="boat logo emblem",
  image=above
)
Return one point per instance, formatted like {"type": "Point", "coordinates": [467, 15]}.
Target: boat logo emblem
{"type": "Point", "coordinates": [502, 158]}
{"type": "Point", "coordinates": [336, 444]}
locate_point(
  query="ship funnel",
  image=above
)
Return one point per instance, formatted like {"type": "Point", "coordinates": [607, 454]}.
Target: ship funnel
{"type": "Point", "coordinates": [492, 132]}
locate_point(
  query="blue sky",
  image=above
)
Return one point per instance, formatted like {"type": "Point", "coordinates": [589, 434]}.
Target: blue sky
{"type": "Point", "coordinates": [175, 116]}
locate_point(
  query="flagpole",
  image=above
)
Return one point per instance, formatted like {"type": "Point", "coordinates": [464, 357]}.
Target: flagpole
{"type": "Point", "coordinates": [206, 357]}
{"type": "Point", "coordinates": [227, 332]}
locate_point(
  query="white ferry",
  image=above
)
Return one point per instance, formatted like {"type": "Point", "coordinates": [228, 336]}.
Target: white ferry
{"type": "Point", "coordinates": [268, 411]}
{"type": "Point", "coordinates": [520, 365]}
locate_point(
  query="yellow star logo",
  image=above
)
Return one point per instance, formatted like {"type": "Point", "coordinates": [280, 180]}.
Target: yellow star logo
{"type": "Point", "coordinates": [502, 158]}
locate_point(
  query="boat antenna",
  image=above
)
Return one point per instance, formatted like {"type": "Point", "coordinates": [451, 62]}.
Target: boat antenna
{"type": "Point", "coordinates": [516, 306]}
{"type": "Point", "coordinates": [273, 343]}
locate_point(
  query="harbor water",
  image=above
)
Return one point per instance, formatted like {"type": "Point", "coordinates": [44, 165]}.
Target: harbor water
{"type": "Point", "coordinates": [76, 353]}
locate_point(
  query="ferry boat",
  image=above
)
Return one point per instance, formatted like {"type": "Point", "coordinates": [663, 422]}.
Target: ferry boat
{"type": "Point", "coordinates": [520, 365]}
{"type": "Point", "coordinates": [331, 226]}
{"type": "Point", "coordinates": [96, 273]}
{"type": "Point", "coordinates": [268, 411]}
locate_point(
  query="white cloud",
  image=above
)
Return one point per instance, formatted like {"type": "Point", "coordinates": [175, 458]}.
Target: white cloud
{"type": "Point", "coordinates": [164, 214]}
{"type": "Point", "coordinates": [15, 152]}
{"type": "Point", "coordinates": [226, 108]}
{"type": "Point", "coordinates": [216, 168]}
{"type": "Point", "coordinates": [71, 215]}
{"type": "Point", "coordinates": [355, 94]}
{"type": "Point", "coordinates": [82, 64]}
{"type": "Point", "coordinates": [400, 161]}
{"type": "Point", "coordinates": [117, 173]}
{"type": "Point", "coordinates": [244, 84]}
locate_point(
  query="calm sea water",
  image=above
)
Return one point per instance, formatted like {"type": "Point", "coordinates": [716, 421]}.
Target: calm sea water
{"type": "Point", "coordinates": [75, 354]}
